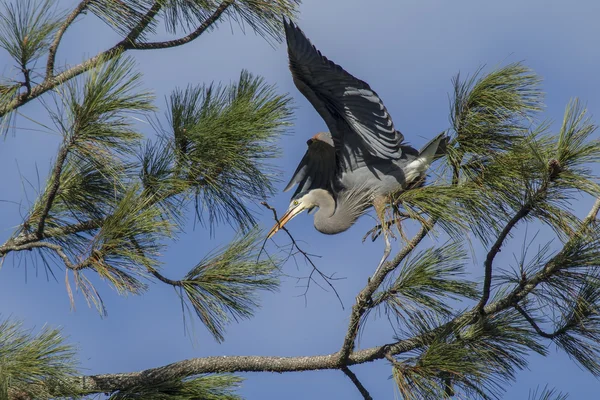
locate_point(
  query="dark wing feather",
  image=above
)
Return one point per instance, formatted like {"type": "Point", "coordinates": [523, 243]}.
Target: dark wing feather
{"type": "Point", "coordinates": [353, 112]}
{"type": "Point", "coordinates": [317, 168]}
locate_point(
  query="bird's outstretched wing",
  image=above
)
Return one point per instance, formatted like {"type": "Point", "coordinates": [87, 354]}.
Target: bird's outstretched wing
{"type": "Point", "coordinates": [354, 113]}
{"type": "Point", "coordinates": [317, 168]}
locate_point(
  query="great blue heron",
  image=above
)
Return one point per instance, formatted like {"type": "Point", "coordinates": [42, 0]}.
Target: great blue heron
{"type": "Point", "coordinates": [362, 161]}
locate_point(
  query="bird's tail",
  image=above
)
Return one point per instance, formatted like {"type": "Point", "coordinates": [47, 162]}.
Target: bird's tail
{"type": "Point", "coordinates": [428, 153]}
{"type": "Point", "coordinates": [435, 148]}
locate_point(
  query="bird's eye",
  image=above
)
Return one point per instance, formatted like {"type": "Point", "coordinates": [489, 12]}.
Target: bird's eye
{"type": "Point", "coordinates": [295, 202]}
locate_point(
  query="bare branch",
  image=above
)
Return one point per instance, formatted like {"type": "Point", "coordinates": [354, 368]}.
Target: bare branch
{"type": "Point", "coordinates": [553, 170]}
{"type": "Point", "coordinates": [359, 386]}
{"type": "Point", "coordinates": [325, 277]}
{"type": "Point", "coordinates": [591, 217]}
{"type": "Point", "coordinates": [489, 260]}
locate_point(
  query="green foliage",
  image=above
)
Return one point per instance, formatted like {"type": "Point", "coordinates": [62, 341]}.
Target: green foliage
{"type": "Point", "coordinates": [129, 241]}
{"type": "Point", "coordinates": [477, 360]}
{"type": "Point", "coordinates": [99, 123]}
{"type": "Point", "coordinates": [547, 394]}
{"type": "Point", "coordinates": [428, 280]}
{"type": "Point", "coordinates": [579, 329]}
{"type": "Point", "coordinates": [224, 137]}
{"type": "Point", "coordinates": [205, 387]}
{"type": "Point", "coordinates": [264, 17]}
{"type": "Point", "coordinates": [34, 365]}
{"type": "Point", "coordinates": [26, 29]}
{"type": "Point", "coordinates": [490, 113]}
{"type": "Point", "coordinates": [123, 15]}
{"type": "Point", "coordinates": [223, 285]}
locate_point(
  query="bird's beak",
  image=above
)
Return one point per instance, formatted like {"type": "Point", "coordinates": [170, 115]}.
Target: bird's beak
{"type": "Point", "coordinates": [289, 214]}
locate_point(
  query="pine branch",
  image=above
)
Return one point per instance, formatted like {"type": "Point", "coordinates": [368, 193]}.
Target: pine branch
{"type": "Point", "coordinates": [537, 197]}
{"type": "Point", "coordinates": [126, 44]}
{"type": "Point", "coordinates": [188, 38]}
{"type": "Point", "coordinates": [364, 298]}
{"type": "Point", "coordinates": [55, 178]}
{"type": "Point", "coordinates": [364, 392]}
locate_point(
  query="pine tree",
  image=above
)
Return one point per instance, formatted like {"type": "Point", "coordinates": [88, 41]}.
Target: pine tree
{"type": "Point", "coordinates": [114, 199]}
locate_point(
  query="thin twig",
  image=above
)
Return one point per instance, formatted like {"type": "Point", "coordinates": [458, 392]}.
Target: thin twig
{"type": "Point", "coordinates": [553, 171]}
{"type": "Point", "coordinates": [359, 386]}
{"type": "Point", "coordinates": [325, 277]}
{"type": "Point", "coordinates": [52, 246]}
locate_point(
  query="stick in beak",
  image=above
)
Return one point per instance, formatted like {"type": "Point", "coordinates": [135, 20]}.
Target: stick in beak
{"type": "Point", "coordinates": [290, 213]}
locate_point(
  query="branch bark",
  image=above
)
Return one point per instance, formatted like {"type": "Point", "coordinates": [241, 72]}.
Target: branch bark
{"type": "Point", "coordinates": [59, 34]}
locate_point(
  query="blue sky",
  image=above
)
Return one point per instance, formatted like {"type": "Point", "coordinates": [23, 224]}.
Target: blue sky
{"type": "Point", "coordinates": [408, 51]}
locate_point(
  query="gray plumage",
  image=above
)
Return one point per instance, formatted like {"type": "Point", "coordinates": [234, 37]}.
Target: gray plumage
{"type": "Point", "coordinates": [363, 159]}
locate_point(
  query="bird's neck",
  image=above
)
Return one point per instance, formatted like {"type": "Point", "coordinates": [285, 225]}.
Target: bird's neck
{"type": "Point", "coordinates": [331, 220]}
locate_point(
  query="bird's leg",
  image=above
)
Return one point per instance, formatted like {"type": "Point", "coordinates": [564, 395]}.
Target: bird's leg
{"type": "Point", "coordinates": [379, 204]}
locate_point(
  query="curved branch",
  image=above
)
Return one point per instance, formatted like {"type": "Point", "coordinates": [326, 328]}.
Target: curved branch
{"type": "Point", "coordinates": [59, 34]}
{"type": "Point", "coordinates": [186, 39]}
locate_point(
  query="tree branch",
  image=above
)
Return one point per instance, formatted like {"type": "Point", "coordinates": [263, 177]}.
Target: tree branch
{"type": "Point", "coordinates": [52, 246]}
{"type": "Point", "coordinates": [364, 298]}
{"type": "Point", "coordinates": [533, 324]}
{"type": "Point", "coordinates": [359, 386]}
{"type": "Point", "coordinates": [59, 34]}
{"type": "Point", "coordinates": [53, 191]}
{"type": "Point", "coordinates": [554, 169]}
{"type": "Point", "coordinates": [186, 39]}
{"type": "Point", "coordinates": [129, 43]}
{"type": "Point", "coordinates": [489, 260]}
{"type": "Point", "coordinates": [109, 383]}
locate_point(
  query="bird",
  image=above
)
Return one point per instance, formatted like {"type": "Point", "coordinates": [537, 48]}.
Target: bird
{"type": "Point", "coordinates": [362, 160]}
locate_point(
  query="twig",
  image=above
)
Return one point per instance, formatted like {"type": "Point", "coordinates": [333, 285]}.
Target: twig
{"type": "Point", "coordinates": [359, 386]}
{"type": "Point", "coordinates": [489, 260]}
{"type": "Point", "coordinates": [306, 255]}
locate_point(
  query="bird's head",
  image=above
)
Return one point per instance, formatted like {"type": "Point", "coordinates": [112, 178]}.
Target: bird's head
{"type": "Point", "coordinates": [299, 203]}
